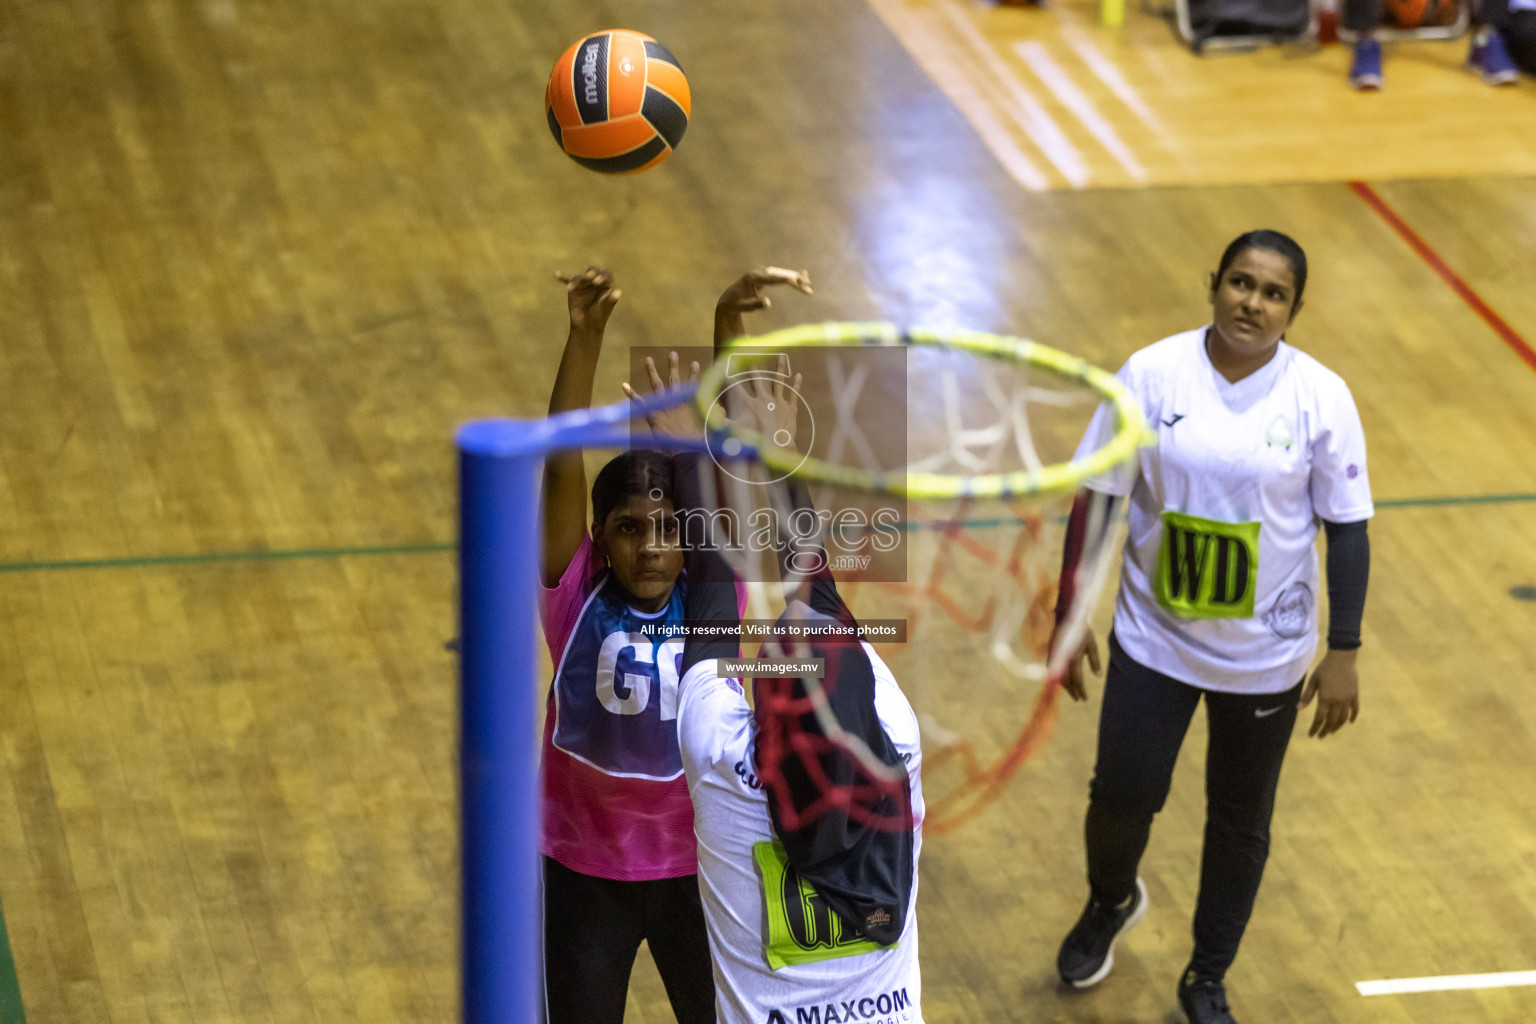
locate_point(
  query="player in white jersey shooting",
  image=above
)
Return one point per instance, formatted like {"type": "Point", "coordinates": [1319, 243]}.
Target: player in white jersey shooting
{"type": "Point", "coordinates": [807, 867]}
{"type": "Point", "coordinates": [1257, 443]}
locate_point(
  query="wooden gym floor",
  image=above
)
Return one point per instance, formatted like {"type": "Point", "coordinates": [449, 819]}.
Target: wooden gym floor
{"type": "Point", "coordinates": [258, 259]}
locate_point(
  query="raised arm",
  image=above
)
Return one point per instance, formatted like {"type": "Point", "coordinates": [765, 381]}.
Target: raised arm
{"type": "Point", "coordinates": [711, 594]}
{"type": "Point", "coordinates": [771, 406]}
{"type": "Point", "coordinates": [590, 298]}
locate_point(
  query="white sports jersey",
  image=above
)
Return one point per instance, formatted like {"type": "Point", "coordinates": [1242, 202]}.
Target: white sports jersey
{"type": "Point", "coordinates": [821, 976]}
{"type": "Point", "coordinates": [1219, 583]}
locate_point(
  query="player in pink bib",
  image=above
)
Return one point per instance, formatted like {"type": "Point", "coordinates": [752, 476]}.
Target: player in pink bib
{"type": "Point", "coordinates": [617, 836]}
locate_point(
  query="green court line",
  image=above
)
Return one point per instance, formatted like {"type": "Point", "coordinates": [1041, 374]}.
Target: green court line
{"type": "Point", "coordinates": [445, 547]}
{"type": "Point", "coordinates": [1465, 499]}
{"type": "Point", "coordinates": [227, 556]}
{"type": "Point", "coordinates": [10, 989]}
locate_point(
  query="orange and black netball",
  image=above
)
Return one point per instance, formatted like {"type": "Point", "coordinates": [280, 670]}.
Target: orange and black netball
{"type": "Point", "coordinates": [618, 102]}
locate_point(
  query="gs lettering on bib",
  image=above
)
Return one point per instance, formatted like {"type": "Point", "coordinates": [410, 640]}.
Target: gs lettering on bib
{"type": "Point", "coordinates": [1207, 569]}
{"type": "Point", "coordinates": [802, 929]}
{"type": "Point", "coordinates": [616, 688]}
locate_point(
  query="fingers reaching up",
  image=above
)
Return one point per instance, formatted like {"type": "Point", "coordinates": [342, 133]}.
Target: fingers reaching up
{"type": "Point", "coordinates": [680, 420]}
{"type": "Point", "coordinates": [768, 404]}
{"type": "Point", "coordinates": [590, 297]}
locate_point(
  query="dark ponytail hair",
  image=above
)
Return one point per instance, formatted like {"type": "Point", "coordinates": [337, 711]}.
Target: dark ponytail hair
{"type": "Point", "coordinates": [639, 471]}
{"type": "Point", "coordinates": [1275, 242]}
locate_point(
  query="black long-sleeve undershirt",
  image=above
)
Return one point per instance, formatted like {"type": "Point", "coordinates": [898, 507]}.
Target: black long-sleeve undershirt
{"type": "Point", "coordinates": [822, 594]}
{"type": "Point", "coordinates": [1349, 570]}
{"type": "Point", "coordinates": [711, 595]}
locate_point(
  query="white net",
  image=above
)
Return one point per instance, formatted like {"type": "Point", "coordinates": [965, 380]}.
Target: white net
{"type": "Point", "coordinates": [933, 480]}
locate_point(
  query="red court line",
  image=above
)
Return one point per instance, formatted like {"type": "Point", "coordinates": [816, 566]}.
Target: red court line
{"type": "Point", "coordinates": [1449, 276]}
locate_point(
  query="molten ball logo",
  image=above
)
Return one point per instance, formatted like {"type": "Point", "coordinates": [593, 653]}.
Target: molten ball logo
{"type": "Point", "coordinates": [589, 71]}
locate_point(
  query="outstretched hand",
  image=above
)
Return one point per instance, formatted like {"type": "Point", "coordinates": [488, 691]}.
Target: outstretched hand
{"type": "Point", "coordinates": [590, 297]}
{"type": "Point", "coordinates": [1336, 685]}
{"type": "Point", "coordinates": [748, 294]}
{"type": "Point", "coordinates": [768, 404]}
{"type": "Point", "coordinates": [678, 421]}
{"type": "Point", "coordinates": [1072, 679]}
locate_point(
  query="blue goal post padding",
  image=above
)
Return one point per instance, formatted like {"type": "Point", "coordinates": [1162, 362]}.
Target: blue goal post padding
{"type": "Point", "coordinates": [500, 464]}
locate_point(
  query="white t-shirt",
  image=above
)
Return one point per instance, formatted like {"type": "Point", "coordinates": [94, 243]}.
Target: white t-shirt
{"type": "Point", "coordinates": [1219, 583]}
{"type": "Point", "coordinates": [715, 731]}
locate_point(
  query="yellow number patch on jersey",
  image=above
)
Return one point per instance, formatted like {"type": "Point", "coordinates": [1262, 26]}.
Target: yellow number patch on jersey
{"type": "Point", "coordinates": [1206, 569]}
{"type": "Point", "coordinates": [802, 929]}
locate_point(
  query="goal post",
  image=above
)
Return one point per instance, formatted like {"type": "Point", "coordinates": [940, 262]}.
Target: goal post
{"type": "Point", "coordinates": [500, 477]}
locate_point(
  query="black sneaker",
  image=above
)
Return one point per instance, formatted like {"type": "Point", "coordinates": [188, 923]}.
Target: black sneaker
{"type": "Point", "coordinates": [1088, 951]}
{"type": "Point", "coordinates": [1203, 1000]}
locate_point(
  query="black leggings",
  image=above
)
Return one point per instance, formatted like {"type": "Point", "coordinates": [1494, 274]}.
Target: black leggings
{"type": "Point", "coordinates": [592, 930]}
{"type": "Point", "coordinates": [1141, 728]}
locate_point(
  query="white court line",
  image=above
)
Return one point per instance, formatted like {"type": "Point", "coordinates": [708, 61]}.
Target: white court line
{"type": "Point", "coordinates": [1398, 986]}
{"type": "Point", "coordinates": [916, 38]}
{"type": "Point", "coordinates": [1032, 117]}
{"type": "Point", "coordinates": [1112, 77]}
{"type": "Point", "coordinates": [1074, 99]}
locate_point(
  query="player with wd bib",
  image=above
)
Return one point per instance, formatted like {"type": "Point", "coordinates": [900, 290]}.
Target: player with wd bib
{"type": "Point", "coordinates": [1256, 444]}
